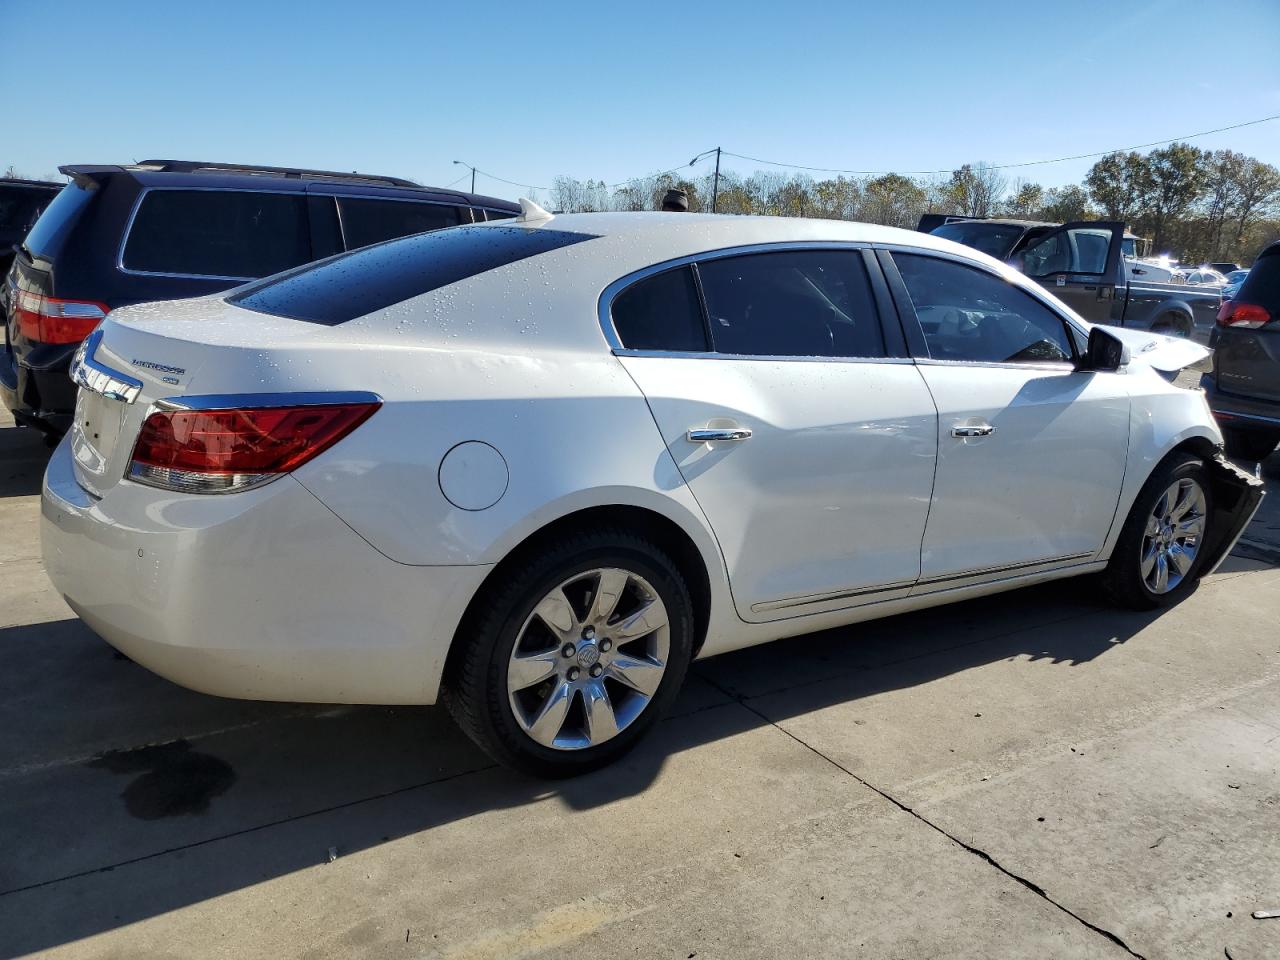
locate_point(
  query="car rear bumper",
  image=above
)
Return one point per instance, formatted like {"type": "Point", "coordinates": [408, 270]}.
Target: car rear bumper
{"type": "Point", "coordinates": [45, 397]}
{"type": "Point", "coordinates": [1245, 413]}
{"type": "Point", "coordinates": [264, 594]}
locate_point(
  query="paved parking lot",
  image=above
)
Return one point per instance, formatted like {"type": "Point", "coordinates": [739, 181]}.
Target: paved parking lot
{"type": "Point", "coordinates": [1030, 775]}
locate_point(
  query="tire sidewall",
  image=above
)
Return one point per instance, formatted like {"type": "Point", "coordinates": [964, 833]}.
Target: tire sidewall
{"type": "Point", "coordinates": [649, 563]}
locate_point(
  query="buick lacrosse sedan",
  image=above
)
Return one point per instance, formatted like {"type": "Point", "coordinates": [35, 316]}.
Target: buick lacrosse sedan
{"type": "Point", "coordinates": [534, 468]}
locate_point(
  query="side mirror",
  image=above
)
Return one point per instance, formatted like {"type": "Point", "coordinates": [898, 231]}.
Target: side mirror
{"type": "Point", "coordinates": [1106, 352]}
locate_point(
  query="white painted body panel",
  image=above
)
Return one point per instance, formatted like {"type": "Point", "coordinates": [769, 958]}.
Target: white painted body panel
{"type": "Point", "coordinates": [830, 493]}
{"type": "Point", "coordinates": [346, 580]}
{"type": "Point", "coordinates": [1043, 485]}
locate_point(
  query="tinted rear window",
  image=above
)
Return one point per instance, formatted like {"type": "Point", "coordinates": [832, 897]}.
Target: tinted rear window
{"type": "Point", "coordinates": [1262, 285]}
{"type": "Point", "coordinates": [357, 283]}
{"type": "Point", "coordinates": [57, 221]}
{"type": "Point", "coordinates": [365, 222]}
{"type": "Point", "coordinates": [661, 313]}
{"type": "Point", "coordinates": [993, 239]}
{"type": "Point", "coordinates": [18, 206]}
{"type": "Point", "coordinates": [218, 233]}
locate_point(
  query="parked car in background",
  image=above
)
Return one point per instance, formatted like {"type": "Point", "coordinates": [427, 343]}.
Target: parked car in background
{"type": "Point", "coordinates": [21, 202]}
{"type": "Point", "coordinates": [1088, 264]}
{"type": "Point", "coordinates": [165, 229]}
{"type": "Point", "coordinates": [726, 430]}
{"type": "Point", "coordinates": [1206, 275]}
{"type": "Point", "coordinates": [1232, 286]}
{"type": "Point", "coordinates": [1225, 267]}
{"type": "Point", "coordinates": [1244, 385]}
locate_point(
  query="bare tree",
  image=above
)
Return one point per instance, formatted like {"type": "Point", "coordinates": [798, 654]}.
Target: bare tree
{"type": "Point", "coordinates": [977, 189]}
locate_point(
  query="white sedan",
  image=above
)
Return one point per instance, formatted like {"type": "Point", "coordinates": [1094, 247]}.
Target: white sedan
{"type": "Point", "coordinates": [534, 468]}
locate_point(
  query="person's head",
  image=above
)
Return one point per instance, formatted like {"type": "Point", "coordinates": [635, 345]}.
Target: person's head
{"type": "Point", "coordinates": [676, 201]}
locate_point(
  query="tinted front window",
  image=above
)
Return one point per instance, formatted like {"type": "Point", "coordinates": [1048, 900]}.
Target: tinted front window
{"type": "Point", "coordinates": [797, 303]}
{"type": "Point", "coordinates": [995, 239]}
{"type": "Point", "coordinates": [661, 313]}
{"type": "Point", "coordinates": [372, 221]}
{"type": "Point", "coordinates": [218, 233]}
{"type": "Point", "coordinates": [967, 314]}
{"type": "Point", "coordinates": [57, 221]}
{"type": "Point", "coordinates": [353, 284]}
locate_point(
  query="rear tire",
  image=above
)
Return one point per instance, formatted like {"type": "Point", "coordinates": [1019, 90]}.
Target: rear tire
{"type": "Point", "coordinates": [572, 654]}
{"type": "Point", "coordinates": [1165, 532]}
{"type": "Point", "coordinates": [1172, 325]}
{"type": "Point", "coordinates": [1252, 445]}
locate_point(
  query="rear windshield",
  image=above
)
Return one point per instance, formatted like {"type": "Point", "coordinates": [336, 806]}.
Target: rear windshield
{"type": "Point", "coordinates": [1262, 285]}
{"type": "Point", "coordinates": [237, 235]}
{"type": "Point", "coordinates": [351, 285]}
{"type": "Point", "coordinates": [57, 221]}
{"type": "Point", "coordinates": [993, 239]}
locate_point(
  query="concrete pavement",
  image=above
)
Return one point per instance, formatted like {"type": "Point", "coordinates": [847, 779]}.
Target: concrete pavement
{"type": "Point", "coordinates": [1030, 775]}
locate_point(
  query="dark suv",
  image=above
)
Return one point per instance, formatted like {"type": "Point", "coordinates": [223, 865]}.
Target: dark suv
{"type": "Point", "coordinates": [21, 202]}
{"type": "Point", "coordinates": [1244, 385]}
{"type": "Point", "coordinates": [164, 229]}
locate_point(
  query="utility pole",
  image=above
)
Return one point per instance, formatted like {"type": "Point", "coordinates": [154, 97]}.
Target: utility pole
{"type": "Point", "coordinates": [473, 173]}
{"type": "Point", "coordinates": [715, 183]}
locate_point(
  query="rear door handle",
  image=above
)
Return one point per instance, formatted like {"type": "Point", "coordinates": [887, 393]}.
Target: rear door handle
{"type": "Point", "coordinates": [712, 434]}
{"type": "Point", "coordinates": [978, 430]}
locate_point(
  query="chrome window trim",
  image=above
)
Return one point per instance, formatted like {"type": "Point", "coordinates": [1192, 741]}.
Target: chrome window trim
{"type": "Point", "coordinates": [97, 377]}
{"type": "Point", "coordinates": [614, 289]}
{"type": "Point", "coordinates": [233, 401]}
{"type": "Point", "coordinates": [1031, 288]}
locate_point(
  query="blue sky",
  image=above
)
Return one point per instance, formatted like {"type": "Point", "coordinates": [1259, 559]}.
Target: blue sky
{"type": "Point", "coordinates": [617, 90]}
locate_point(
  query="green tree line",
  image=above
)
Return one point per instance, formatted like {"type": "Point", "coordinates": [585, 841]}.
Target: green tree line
{"type": "Point", "coordinates": [1193, 204]}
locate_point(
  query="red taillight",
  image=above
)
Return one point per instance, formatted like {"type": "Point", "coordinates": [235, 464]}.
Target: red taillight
{"type": "Point", "coordinates": [216, 451]}
{"type": "Point", "coordinates": [1232, 313]}
{"type": "Point", "coordinates": [55, 320]}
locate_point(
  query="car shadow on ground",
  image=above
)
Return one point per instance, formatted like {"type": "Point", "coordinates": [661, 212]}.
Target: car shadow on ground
{"type": "Point", "coordinates": [352, 778]}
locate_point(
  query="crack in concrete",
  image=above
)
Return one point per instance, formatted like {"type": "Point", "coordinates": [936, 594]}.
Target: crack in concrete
{"type": "Point", "coordinates": [976, 851]}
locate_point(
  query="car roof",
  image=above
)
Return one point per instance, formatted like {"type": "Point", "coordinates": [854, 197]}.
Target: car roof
{"type": "Point", "coordinates": [172, 173]}
{"type": "Point", "coordinates": [41, 184]}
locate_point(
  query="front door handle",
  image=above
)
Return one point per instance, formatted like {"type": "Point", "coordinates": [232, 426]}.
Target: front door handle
{"type": "Point", "coordinates": [711, 434]}
{"type": "Point", "coordinates": [975, 430]}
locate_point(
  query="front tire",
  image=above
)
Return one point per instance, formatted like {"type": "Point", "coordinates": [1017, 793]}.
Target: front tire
{"type": "Point", "coordinates": [1160, 552]}
{"type": "Point", "coordinates": [573, 653]}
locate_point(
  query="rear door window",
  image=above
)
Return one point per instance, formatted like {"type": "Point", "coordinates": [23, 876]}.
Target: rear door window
{"type": "Point", "coordinates": [218, 233]}
{"type": "Point", "coordinates": [367, 221]}
{"type": "Point", "coordinates": [795, 303]}
{"type": "Point", "coordinates": [661, 313]}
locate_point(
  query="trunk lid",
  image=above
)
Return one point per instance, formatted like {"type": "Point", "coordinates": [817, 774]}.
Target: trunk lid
{"type": "Point", "coordinates": [1166, 354]}
{"type": "Point", "coordinates": [144, 354]}
{"type": "Point", "coordinates": [1246, 358]}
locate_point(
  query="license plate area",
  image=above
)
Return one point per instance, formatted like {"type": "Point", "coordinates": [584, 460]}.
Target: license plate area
{"type": "Point", "coordinates": [95, 439]}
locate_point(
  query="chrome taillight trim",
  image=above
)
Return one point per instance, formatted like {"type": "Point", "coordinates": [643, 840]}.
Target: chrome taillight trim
{"type": "Point", "coordinates": [99, 378]}
{"type": "Point", "coordinates": [237, 401]}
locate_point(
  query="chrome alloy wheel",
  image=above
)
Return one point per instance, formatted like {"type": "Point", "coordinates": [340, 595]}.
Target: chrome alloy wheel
{"type": "Point", "coordinates": [1172, 537]}
{"type": "Point", "coordinates": [589, 659]}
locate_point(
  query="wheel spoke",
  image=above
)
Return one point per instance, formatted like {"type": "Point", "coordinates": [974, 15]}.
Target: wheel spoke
{"type": "Point", "coordinates": [651, 616]}
{"type": "Point", "coordinates": [609, 587]}
{"type": "Point", "coordinates": [550, 717]}
{"type": "Point", "coordinates": [1192, 526]}
{"type": "Point", "coordinates": [1149, 552]}
{"type": "Point", "coordinates": [598, 710]}
{"type": "Point", "coordinates": [1163, 505]}
{"type": "Point", "coordinates": [1180, 559]}
{"type": "Point", "coordinates": [529, 670]}
{"type": "Point", "coordinates": [1153, 525]}
{"type": "Point", "coordinates": [1186, 497]}
{"type": "Point", "coordinates": [557, 613]}
{"type": "Point", "coordinates": [642, 676]}
{"type": "Point", "coordinates": [1162, 574]}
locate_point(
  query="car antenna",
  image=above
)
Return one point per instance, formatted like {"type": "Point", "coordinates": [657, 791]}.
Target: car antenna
{"type": "Point", "coordinates": [530, 211]}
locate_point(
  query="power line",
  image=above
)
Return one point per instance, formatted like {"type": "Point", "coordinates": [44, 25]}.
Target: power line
{"type": "Point", "coordinates": [608, 186]}
{"type": "Point", "coordinates": [1010, 166]}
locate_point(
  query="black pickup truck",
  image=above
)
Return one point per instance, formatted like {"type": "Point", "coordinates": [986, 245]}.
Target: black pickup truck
{"type": "Point", "coordinates": [1083, 264]}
